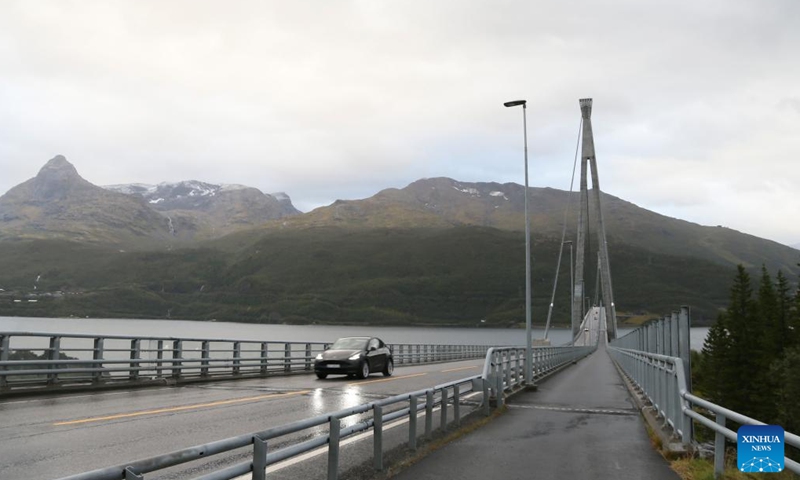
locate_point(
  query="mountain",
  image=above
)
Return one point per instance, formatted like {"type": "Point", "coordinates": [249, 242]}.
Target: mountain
{"type": "Point", "coordinates": [211, 210]}
{"type": "Point", "coordinates": [443, 202]}
{"type": "Point", "coordinates": [59, 203]}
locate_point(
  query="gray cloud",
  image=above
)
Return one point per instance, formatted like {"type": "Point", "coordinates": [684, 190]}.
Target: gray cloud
{"type": "Point", "coordinates": [328, 100]}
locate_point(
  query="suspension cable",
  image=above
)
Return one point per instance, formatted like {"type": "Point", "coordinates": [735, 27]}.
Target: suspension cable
{"type": "Point", "coordinates": [564, 229]}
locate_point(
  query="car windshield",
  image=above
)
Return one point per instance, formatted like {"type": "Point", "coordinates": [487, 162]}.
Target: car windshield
{"type": "Point", "coordinates": [352, 343]}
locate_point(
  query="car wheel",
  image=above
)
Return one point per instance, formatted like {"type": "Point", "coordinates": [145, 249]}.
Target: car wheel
{"type": "Point", "coordinates": [322, 376]}
{"type": "Point", "coordinates": [364, 373]}
{"type": "Point", "coordinates": [389, 368]}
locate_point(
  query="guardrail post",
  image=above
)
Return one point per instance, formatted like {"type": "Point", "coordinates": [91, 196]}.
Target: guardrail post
{"type": "Point", "coordinates": [264, 357]}
{"type": "Point", "coordinates": [443, 422]}
{"type": "Point", "coordinates": [333, 449]}
{"type": "Point", "coordinates": [377, 436]}
{"type": "Point", "coordinates": [684, 329]}
{"type": "Point", "coordinates": [487, 409]}
{"type": "Point", "coordinates": [237, 357]}
{"type": "Point", "coordinates": [4, 353]}
{"type": "Point", "coordinates": [136, 349]}
{"type": "Point", "coordinates": [412, 423]}
{"type": "Point", "coordinates": [308, 357]}
{"type": "Point", "coordinates": [456, 406]}
{"type": "Point", "coordinates": [419, 359]}
{"type": "Point", "coordinates": [159, 358]}
{"type": "Point", "coordinates": [177, 356]}
{"type": "Point", "coordinates": [428, 414]}
{"type": "Point", "coordinates": [259, 458]}
{"type": "Point", "coordinates": [53, 354]}
{"type": "Point", "coordinates": [97, 356]}
{"type": "Point", "coordinates": [499, 393]}
{"type": "Point", "coordinates": [287, 357]}
{"type": "Point", "coordinates": [204, 360]}
{"type": "Point", "coordinates": [719, 448]}
{"type": "Point", "coordinates": [131, 475]}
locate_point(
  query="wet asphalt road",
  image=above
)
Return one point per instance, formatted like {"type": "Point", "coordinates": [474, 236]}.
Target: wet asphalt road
{"type": "Point", "coordinates": [56, 436]}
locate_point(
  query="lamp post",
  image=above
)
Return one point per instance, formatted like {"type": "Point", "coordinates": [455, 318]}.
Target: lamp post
{"type": "Point", "coordinates": [528, 338]}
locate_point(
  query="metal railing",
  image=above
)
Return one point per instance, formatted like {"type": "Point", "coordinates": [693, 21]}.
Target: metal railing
{"type": "Point", "coordinates": [370, 416]}
{"type": "Point", "coordinates": [663, 381]}
{"type": "Point", "coordinates": [38, 361]}
{"type": "Point", "coordinates": [503, 371]}
{"type": "Point", "coordinates": [504, 367]}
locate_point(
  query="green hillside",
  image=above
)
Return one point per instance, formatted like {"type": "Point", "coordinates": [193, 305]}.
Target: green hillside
{"type": "Point", "coordinates": [441, 276]}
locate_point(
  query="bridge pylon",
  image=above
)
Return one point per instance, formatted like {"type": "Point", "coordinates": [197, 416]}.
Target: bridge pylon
{"type": "Point", "coordinates": [588, 160]}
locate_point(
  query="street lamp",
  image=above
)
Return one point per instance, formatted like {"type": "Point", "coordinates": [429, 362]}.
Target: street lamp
{"type": "Point", "coordinates": [529, 339]}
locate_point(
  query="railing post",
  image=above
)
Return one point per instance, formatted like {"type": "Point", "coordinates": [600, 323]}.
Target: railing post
{"type": "Point", "coordinates": [333, 449]}
{"type": "Point", "coordinates": [287, 357]}
{"type": "Point", "coordinates": [443, 422]}
{"type": "Point", "coordinates": [684, 329]}
{"type": "Point", "coordinates": [486, 407]}
{"type": "Point", "coordinates": [237, 357]}
{"type": "Point", "coordinates": [136, 350]}
{"type": "Point", "coordinates": [499, 392]}
{"type": "Point", "coordinates": [205, 356]}
{"type": "Point", "coordinates": [264, 357]}
{"type": "Point", "coordinates": [419, 359]}
{"type": "Point", "coordinates": [53, 354]}
{"type": "Point", "coordinates": [377, 436]}
{"type": "Point", "coordinates": [5, 341]}
{"type": "Point", "coordinates": [259, 458]}
{"type": "Point", "coordinates": [412, 423]}
{"type": "Point", "coordinates": [400, 354]}
{"type": "Point", "coordinates": [719, 448]}
{"type": "Point", "coordinates": [97, 356]}
{"type": "Point", "coordinates": [159, 358]}
{"type": "Point", "coordinates": [308, 357]}
{"type": "Point", "coordinates": [428, 414]}
{"type": "Point", "coordinates": [177, 356]}
{"type": "Point", "coordinates": [131, 475]}
{"type": "Point", "coordinates": [456, 406]}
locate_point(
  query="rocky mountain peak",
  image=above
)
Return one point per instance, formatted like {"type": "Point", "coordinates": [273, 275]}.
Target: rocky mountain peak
{"type": "Point", "coordinates": [57, 177]}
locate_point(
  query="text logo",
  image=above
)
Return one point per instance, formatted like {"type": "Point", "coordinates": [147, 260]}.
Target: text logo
{"type": "Point", "coordinates": [760, 448]}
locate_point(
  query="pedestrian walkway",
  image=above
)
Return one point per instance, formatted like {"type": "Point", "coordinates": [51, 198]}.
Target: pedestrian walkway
{"type": "Point", "coordinates": [580, 424]}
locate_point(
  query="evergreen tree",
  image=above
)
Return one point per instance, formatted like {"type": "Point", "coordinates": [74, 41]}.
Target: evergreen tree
{"type": "Point", "coordinates": [787, 377]}
{"type": "Point", "coordinates": [784, 314]}
{"type": "Point", "coordinates": [715, 379]}
{"type": "Point", "coordinates": [745, 376]}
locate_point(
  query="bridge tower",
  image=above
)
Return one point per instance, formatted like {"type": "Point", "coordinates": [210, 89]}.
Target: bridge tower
{"type": "Point", "coordinates": [588, 160]}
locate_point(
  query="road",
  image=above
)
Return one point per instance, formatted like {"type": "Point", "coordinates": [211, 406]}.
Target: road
{"type": "Point", "coordinates": [55, 436]}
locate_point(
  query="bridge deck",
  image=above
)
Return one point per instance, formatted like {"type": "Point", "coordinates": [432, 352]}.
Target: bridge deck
{"type": "Point", "coordinates": [580, 424]}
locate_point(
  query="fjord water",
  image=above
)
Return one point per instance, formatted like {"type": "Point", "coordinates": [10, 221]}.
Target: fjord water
{"type": "Point", "coordinates": [291, 333]}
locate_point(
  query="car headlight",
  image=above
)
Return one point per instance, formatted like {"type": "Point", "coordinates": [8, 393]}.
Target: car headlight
{"type": "Point", "coordinates": [319, 356]}
{"type": "Point", "coordinates": [355, 357]}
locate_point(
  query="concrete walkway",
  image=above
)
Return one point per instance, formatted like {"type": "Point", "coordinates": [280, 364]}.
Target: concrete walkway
{"type": "Point", "coordinates": [580, 424]}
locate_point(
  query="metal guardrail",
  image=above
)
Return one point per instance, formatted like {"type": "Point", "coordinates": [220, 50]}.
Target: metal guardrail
{"type": "Point", "coordinates": [70, 360]}
{"type": "Point", "coordinates": [397, 407]}
{"type": "Point", "coordinates": [503, 370]}
{"type": "Point", "coordinates": [662, 379]}
{"type": "Point", "coordinates": [504, 367]}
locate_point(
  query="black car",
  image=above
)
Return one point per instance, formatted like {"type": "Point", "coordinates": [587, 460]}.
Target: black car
{"type": "Point", "coordinates": [358, 356]}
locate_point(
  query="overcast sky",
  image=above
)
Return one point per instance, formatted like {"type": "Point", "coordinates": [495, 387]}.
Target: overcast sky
{"type": "Point", "coordinates": [696, 103]}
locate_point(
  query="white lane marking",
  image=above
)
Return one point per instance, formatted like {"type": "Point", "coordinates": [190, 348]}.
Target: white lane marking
{"type": "Point", "coordinates": [324, 449]}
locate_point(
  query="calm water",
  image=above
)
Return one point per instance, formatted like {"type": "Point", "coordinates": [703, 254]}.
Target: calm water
{"type": "Point", "coordinates": [290, 333]}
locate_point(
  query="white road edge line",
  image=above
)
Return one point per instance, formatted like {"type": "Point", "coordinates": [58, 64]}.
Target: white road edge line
{"type": "Point", "coordinates": [319, 451]}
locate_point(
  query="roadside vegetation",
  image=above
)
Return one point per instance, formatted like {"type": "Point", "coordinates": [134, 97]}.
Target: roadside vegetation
{"type": "Point", "coordinates": [750, 364]}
